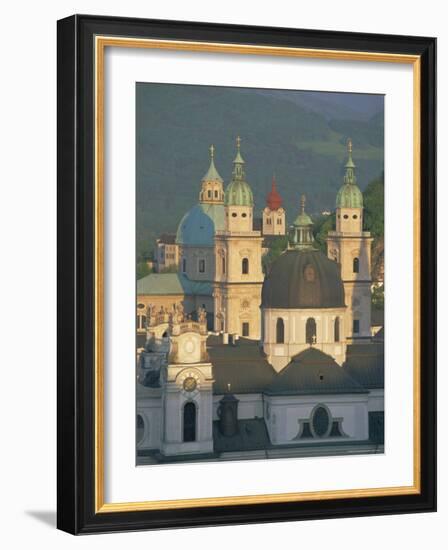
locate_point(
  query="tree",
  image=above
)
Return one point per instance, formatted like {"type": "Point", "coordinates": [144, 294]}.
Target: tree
{"type": "Point", "coordinates": [278, 246]}
{"type": "Point", "coordinates": [143, 269]}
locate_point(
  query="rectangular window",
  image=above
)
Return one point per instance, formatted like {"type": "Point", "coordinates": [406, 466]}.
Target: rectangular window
{"type": "Point", "coordinates": [245, 329]}
{"type": "Point", "coordinates": [201, 266]}
{"type": "Point", "coordinates": [355, 326]}
{"type": "Point", "coordinates": [184, 265]}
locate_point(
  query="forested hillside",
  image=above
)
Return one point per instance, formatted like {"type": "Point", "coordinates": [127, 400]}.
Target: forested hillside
{"type": "Point", "coordinates": [299, 137]}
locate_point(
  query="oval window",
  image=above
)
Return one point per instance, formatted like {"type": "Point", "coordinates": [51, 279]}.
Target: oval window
{"type": "Point", "coordinates": [321, 421]}
{"type": "Point", "coordinates": [234, 215]}
{"type": "Point", "coordinates": [244, 215]}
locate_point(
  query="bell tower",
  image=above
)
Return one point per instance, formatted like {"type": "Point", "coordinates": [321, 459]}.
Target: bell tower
{"type": "Point", "coordinates": [273, 215]}
{"type": "Point", "coordinates": [238, 274]}
{"type": "Point", "coordinates": [350, 246]}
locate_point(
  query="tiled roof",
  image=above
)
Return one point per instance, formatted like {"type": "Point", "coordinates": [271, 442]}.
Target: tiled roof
{"type": "Point", "coordinates": [313, 372]}
{"type": "Point", "coordinates": [159, 284]}
{"type": "Point", "coordinates": [243, 366]}
{"type": "Point", "coordinates": [167, 238]}
{"type": "Point", "coordinates": [251, 435]}
{"type": "Point", "coordinates": [365, 363]}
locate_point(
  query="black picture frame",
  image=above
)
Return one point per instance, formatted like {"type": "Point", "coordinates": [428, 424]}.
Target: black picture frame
{"type": "Point", "coordinates": [76, 255]}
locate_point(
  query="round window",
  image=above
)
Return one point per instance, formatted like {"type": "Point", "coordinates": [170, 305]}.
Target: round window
{"type": "Point", "coordinates": [345, 216]}
{"type": "Point", "coordinates": [244, 215]}
{"type": "Point", "coordinates": [234, 215]}
{"type": "Point", "coordinates": [355, 217]}
{"type": "Point", "coordinates": [321, 422]}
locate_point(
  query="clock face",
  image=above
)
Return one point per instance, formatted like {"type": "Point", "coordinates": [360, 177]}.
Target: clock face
{"type": "Point", "coordinates": [190, 384]}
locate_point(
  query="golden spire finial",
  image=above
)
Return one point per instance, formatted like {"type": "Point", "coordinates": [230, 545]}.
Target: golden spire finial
{"type": "Point", "coordinates": [238, 142]}
{"type": "Point", "coordinates": [212, 151]}
{"type": "Point", "coordinates": [302, 204]}
{"type": "Point", "coordinates": [349, 146]}
{"type": "Point", "coordinates": [228, 387]}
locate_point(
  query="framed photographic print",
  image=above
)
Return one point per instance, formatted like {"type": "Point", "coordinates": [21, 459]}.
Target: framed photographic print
{"type": "Point", "coordinates": [246, 300]}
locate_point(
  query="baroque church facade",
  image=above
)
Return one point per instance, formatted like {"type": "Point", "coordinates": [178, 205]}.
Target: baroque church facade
{"type": "Point", "coordinates": [238, 364]}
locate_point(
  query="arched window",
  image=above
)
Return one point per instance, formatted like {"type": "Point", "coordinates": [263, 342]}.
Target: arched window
{"type": "Point", "coordinates": [355, 265]}
{"type": "Point", "coordinates": [216, 194]}
{"type": "Point", "coordinates": [140, 428]}
{"type": "Point", "coordinates": [280, 330]}
{"type": "Point", "coordinates": [189, 421]}
{"type": "Point", "coordinates": [245, 266]}
{"type": "Point", "coordinates": [223, 265]}
{"type": "Point", "coordinates": [311, 330]}
{"type": "Point", "coordinates": [337, 330]}
{"type": "Point", "coordinates": [209, 194]}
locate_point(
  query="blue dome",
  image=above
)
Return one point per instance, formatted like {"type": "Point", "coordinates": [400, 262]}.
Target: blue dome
{"type": "Point", "coordinates": [198, 226]}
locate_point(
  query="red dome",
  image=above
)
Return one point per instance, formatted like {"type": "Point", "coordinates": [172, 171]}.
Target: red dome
{"type": "Point", "coordinates": [274, 200]}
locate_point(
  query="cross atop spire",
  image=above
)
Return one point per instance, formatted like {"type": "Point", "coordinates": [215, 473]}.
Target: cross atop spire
{"type": "Point", "coordinates": [302, 204]}
{"type": "Point", "coordinates": [212, 151]}
{"type": "Point", "coordinates": [238, 163]}
{"type": "Point", "coordinates": [350, 165]}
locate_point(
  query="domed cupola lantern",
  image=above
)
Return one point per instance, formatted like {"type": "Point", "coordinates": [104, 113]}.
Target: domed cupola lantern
{"type": "Point", "coordinates": [301, 231]}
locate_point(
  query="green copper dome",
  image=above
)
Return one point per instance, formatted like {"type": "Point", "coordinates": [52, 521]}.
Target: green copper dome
{"type": "Point", "coordinates": [349, 195]}
{"type": "Point", "coordinates": [238, 192]}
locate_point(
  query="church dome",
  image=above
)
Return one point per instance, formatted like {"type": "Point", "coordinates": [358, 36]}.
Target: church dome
{"type": "Point", "coordinates": [301, 279]}
{"type": "Point", "coordinates": [349, 196]}
{"type": "Point", "coordinates": [199, 225]}
{"type": "Point", "coordinates": [238, 193]}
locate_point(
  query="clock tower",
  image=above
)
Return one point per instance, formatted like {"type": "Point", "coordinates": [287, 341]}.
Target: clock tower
{"type": "Point", "coordinates": [187, 389]}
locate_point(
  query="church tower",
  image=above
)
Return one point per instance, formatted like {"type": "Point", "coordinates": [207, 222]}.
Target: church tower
{"type": "Point", "coordinates": [273, 215]}
{"type": "Point", "coordinates": [238, 274]}
{"type": "Point", "coordinates": [187, 388]}
{"type": "Point", "coordinates": [350, 246]}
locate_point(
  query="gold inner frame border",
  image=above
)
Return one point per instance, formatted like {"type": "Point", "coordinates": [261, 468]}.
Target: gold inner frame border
{"type": "Point", "coordinates": [100, 44]}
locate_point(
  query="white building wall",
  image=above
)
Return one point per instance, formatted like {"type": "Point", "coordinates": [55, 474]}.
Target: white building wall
{"type": "Point", "coordinates": [283, 416]}
{"type": "Point", "coordinates": [279, 355]}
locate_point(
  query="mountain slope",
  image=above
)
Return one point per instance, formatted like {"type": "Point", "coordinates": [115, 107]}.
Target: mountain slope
{"type": "Point", "coordinates": [176, 124]}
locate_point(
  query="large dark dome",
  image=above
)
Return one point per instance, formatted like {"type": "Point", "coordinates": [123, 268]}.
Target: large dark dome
{"type": "Point", "coordinates": [301, 279]}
